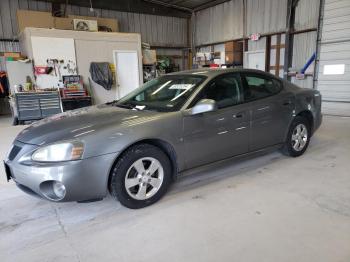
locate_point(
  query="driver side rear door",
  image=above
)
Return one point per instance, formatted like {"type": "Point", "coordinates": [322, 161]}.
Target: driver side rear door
{"type": "Point", "coordinates": [272, 109]}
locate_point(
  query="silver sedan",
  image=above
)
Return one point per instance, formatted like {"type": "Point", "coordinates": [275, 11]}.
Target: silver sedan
{"type": "Point", "coordinates": [134, 148]}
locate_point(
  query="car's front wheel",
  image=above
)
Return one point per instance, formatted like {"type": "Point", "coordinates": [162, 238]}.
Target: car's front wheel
{"type": "Point", "coordinates": [298, 137]}
{"type": "Point", "coordinates": [141, 176]}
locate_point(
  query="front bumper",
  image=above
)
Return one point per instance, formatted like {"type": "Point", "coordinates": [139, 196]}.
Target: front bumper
{"type": "Point", "coordinates": [84, 179]}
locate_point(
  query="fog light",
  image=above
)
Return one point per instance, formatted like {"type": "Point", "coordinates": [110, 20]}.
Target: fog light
{"type": "Point", "coordinates": [59, 189]}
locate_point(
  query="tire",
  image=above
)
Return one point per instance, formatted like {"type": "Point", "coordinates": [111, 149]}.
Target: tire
{"type": "Point", "coordinates": [291, 147]}
{"type": "Point", "coordinates": [145, 186]}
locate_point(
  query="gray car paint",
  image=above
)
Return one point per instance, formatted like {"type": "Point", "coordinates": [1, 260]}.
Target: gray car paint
{"type": "Point", "coordinates": [107, 131]}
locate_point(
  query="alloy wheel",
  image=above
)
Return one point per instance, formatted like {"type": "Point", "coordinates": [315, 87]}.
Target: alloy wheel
{"type": "Point", "coordinates": [144, 178]}
{"type": "Point", "coordinates": [299, 137]}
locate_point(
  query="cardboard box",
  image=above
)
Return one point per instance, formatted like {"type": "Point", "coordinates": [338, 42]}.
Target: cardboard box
{"type": "Point", "coordinates": [229, 57]}
{"type": "Point", "coordinates": [27, 18]}
{"type": "Point", "coordinates": [102, 22]}
{"type": "Point", "coordinates": [12, 54]}
{"type": "Point", "coordinates": [85, 25]}
{"type": "Point", "coordinates": [233, 46]}
{"type": "Point", "coordinates": [229, 46]}
{"type": "Point", "coordinates": [63, 23]}
{"type": "Point", "coordinates": [234, 58]}
{"type": "Point", "coordinates": [149, 56]}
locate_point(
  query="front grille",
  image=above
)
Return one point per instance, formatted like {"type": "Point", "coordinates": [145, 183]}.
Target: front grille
{"type": "Point", "coordinates": [14, 152]}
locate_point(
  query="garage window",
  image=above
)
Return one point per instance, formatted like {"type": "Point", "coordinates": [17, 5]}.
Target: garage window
{"type": "Point", "coordinates": [334, 69]}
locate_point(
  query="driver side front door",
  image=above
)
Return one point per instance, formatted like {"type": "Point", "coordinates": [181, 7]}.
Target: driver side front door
{"type": "Point", "coordinates": [220, 134]}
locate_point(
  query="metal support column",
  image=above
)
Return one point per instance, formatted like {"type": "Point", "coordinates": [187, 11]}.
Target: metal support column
{"type": "Point", "coordinates": [288, 55]}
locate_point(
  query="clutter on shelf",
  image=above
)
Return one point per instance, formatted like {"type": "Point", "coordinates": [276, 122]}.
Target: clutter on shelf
{"type": "Point", "coordinates": [27, 18]}
{"type": "Point", "coordinates": [60, 86]}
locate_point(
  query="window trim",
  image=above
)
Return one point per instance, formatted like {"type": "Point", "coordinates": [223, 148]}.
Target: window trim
{"type": "Point", "coordinates": [194, 101]}
{"type": "Point", "coordinates": [244, 83]}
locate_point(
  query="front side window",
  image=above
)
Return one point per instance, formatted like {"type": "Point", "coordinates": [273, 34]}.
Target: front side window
{"type": "Point", "coordinates": [257, 87]}
{"type": "Point", "coordinates": [167, 93]}
{"type": "Point", "coordinates": [225, 90]}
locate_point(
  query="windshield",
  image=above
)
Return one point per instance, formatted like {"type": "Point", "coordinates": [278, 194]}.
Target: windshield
{"type": "Point", "coordinates": [166, 93]}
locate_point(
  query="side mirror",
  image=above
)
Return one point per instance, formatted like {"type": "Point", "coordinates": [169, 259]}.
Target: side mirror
{"type": "Point", "coordinates": [203, 106]}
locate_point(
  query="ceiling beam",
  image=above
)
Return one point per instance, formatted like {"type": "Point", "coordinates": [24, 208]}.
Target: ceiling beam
{"type": "Point", "coordinates": [166, 4]}
{"type": "Point", "coordinates": [209, 4]}
{"type": "Point", "coordinates": [132, 6]}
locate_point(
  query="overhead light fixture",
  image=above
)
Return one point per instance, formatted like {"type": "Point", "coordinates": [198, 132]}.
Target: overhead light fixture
{"type": "Point", "coordinates": [91, 8]}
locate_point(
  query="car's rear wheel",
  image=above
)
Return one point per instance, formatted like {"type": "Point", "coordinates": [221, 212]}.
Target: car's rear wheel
{"type": "Point", "coordinates": [298, 137]}
{"type": "Point", "coordinates": [141, 176]}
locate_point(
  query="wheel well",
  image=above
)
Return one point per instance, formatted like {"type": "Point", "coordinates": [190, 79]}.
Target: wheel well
{"type": "Point", "coordinates": [310, 118]}
{"type": "Point", "coordinates": [162, 145]}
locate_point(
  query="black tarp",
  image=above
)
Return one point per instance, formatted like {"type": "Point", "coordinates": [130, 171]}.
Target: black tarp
{"type": "Point", "coordinates": [101, 74]}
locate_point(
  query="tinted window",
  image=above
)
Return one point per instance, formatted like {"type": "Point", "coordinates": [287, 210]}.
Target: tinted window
{"type": "Point", "coordinates": [257, 87]}
{"type": "Point", "coordinates": [166, 93]}
{"type": "Point", "coordinates": [225, 90]}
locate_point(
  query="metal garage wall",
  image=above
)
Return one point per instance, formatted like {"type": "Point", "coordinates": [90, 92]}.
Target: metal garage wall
{"type": "Point", "coordinates": [156, 30]}
{"type": "Point", "coordinates": [303, 48]}
{"type": "Point", "coordinates": [335, 50]}
{"type": "Point", "coordinates": [225, 21]}
{"type": "Point", "coordinates": [306, 14]}
{"type": "Point", "coordinates": [219, 23]}
{"type": "Point", "coordinates": [257, 45]}
{"type": "Point", "coordinates": [266, 16]}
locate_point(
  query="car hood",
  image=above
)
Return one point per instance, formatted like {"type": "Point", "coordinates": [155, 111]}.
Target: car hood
{"type": "Point", "coordinates": [79, 123]}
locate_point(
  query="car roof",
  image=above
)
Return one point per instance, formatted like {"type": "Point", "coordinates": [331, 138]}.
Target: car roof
{"type": "Point", "coordinates": [212, 72]}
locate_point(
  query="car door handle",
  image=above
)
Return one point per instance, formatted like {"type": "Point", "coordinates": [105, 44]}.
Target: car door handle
{"type": "Point", "coordinates": [263, 108]}
{"type": "Point", "coordinates": [238, 115]}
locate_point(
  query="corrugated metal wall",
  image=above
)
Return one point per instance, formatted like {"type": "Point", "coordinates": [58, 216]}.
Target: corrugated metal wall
{"type": "Point", "coordinates": [335, 50]}
{"type": "Point", "coordinates": [306, 14]}
{"type": "Point", "coordinates": [225, 21]}
{"type": "Point", "coordinates": [219, 23]}
{"type": "Point", "coordinates": [257, 45]}
{"type": "Point", "coordinates": [266, 16]}
{"type": "Point", "coordinates": [306, 17]}
{"type": "Point", "coordinates": [156, 30]}
{"type": "Point", "coordinates": [303, 48]}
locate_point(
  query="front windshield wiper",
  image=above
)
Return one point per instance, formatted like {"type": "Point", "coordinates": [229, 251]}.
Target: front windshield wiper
{"type": "Point", "coordinates": [128, 106]}
{"type": "Point", "coordinates": [112, 102]}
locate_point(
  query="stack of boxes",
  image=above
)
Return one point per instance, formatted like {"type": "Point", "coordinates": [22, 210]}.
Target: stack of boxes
{"type": "Point", "coordinates": [234, 53]}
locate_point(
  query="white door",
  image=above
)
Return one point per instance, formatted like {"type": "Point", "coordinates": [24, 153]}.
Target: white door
{"type": "Point", "coordinates": [127, 71]}
{"type": "Point", "coordinates": [256, 60]}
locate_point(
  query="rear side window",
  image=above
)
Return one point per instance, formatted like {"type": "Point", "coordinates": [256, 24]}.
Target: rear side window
{"type": "Point", "coordinates": [257, 87]}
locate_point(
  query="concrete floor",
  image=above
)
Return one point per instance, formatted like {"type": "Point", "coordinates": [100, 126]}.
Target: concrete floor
{"type": "Point", "coordinates": [271, 208]}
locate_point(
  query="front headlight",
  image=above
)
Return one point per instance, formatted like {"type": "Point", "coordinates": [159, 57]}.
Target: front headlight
{"type": "Point", "coordinates": [65, 151]}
